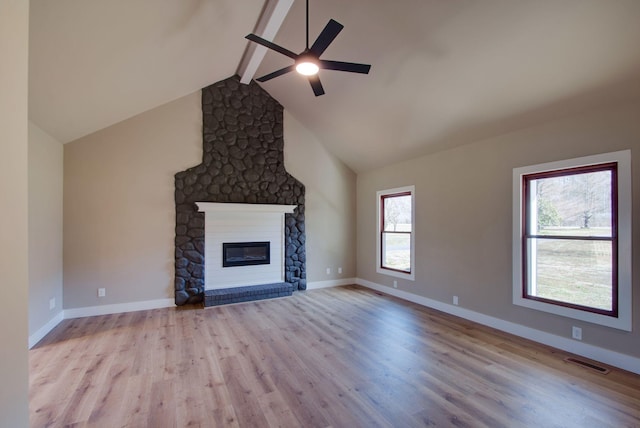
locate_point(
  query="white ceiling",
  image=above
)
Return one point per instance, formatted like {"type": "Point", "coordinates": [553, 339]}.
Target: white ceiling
{"type": "Point", "coordinates": [444, 72]}
{"type": "Point", "coordinates": [94, 63]}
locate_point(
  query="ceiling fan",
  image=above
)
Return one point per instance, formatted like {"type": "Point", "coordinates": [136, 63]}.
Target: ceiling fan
{"type": "Point", "coordinates": [308, 62]}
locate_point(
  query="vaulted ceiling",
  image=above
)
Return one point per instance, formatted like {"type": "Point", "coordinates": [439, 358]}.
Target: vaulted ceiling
{"type": "Point", "coordinates": [444, 72]}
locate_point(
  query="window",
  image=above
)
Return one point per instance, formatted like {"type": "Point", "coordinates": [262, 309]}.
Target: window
{"type": "Point", "coordinates": [396, 232]}
{"type": "Point", "coordinates": [572, 238]}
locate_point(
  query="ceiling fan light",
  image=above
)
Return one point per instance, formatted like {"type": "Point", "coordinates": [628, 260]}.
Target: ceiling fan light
{"type": "Point", "coordinates": [307, 68]}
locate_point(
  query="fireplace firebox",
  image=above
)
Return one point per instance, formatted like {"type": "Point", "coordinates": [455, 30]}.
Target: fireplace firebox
{"type": "Point", "coordinates": [246, 253]}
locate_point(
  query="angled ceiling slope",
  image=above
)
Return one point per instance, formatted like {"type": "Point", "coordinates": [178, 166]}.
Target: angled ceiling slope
{"type": "Point", "coordinates": [444, 73]}
{"type": "Point", "coordinates": [95, 63]}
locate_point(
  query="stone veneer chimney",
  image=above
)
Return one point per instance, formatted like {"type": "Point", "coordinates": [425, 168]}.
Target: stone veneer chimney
{"type": "Point", "coordinates": [243, 162]}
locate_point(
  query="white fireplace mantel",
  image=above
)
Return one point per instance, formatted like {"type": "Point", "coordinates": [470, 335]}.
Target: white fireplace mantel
{"type": "Point", "coordinates": [244, 208]}
{"type": "Point", "coordinates": [228, 222]}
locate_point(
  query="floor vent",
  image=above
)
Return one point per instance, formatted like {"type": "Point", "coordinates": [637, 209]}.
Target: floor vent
{"type": "Point", "coordinates": [587, 365]}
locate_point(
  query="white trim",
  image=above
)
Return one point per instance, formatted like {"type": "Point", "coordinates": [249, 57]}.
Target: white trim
{"type": "Point", "coordinates": [244, 208]}
{"type": "Point", "coordinates": [606, 356]}
{"type": "Point", "coordinates": [228, 227]}
{"type": "Point", "coordinates": [268, 24]}
{"type": "Point", "coordinates": [315, 285]}
{"type": "Point", "coordinates": [229, 222]}
{"type": "Point", "coordinates": [118, 308]}
{"type": "Point", "coordinates": [623, 321]}
{"type": "Point", "coordinates": [612, 358]}
{"type": "Point", "coordinates": [410, 276]}
{"type": "Point", "coordinates": [91, 311]}
{"type": "Point", "coordinates": [45, 329]}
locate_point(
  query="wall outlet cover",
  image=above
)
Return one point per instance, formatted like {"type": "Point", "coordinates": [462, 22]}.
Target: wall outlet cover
{"type": "Point", "coordinates": [576, 333]}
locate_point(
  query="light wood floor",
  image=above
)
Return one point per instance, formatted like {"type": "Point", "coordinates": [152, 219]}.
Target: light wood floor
{"type": "Point", "coordinates": [341, 357]}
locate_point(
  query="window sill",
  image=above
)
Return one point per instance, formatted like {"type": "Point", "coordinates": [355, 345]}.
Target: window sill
{"type": "Point", "coordinates": [396, 274]}
{"type": "Point", "coordinates": [620, 323]}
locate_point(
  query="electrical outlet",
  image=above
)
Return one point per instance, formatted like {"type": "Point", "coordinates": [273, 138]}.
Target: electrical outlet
{"type": "Point", "coordinates": [339, 270]}
{"type": "Point", "coordinates": [52, 303]}
{"type": "Point", "coordinates": [328, 271]}
{"type": "Point", "coordinates": [102, 292]}
{"type": "Point", "coordinates": [576, 333]}
{"type": "Point", "coordinates": [395, 284]}
{"type": "Point", "coordinates": [455, 300]}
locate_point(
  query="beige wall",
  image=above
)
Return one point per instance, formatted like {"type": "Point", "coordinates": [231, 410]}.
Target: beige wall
{"type": "Point", "coordinates": [119, 213]}
{"type": "Point", "coordinates": [45, 227]}
{"type": "Point", "coordinates": [330, 195]}
{"type": "Point", "coordinates": [463, 217]}
{"type": "Point", "coordinates": [14, 281]}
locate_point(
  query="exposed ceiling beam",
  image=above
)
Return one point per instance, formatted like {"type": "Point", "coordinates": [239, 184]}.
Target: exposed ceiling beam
{"type": "Point", "coordinates": [268, 25]}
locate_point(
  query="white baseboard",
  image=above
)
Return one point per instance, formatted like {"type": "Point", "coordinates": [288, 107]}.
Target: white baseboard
{"type": "Point", "coordinates": [118, 308]}
{"type": "Point", "coordinates": [97, 310]}
{"type": "Point", "coordinates": [45, 329]}
{"type": "Point", "coordinates": [596, 353]}
{"type": "Point", "coordinates": [331, 283]}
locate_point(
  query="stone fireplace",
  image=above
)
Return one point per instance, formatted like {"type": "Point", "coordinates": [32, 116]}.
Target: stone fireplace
{"type": "Point", "coordinates": [243, 164]}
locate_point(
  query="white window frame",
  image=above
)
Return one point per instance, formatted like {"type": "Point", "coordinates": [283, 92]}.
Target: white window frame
{"type": "Point", "coordinates": [623, 320]}
{"type": "Point", "coordinates": [404, 275]}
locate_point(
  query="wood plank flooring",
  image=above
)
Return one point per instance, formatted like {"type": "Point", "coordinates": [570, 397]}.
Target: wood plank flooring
{"type": "Point", "coordinates": [340, 357]}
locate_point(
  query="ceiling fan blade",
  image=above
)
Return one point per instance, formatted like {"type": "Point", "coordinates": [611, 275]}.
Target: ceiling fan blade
{"type": "Point", "coordinates": [316, 85]}
{"type": "Point", "coordinates": [276, 73]}
{"type": "Point", "coordinates": [351, 67]}
{"type": "Point", "coordinates": [266, 43]}
{"type": "Point", "coordinates": [325, 38]}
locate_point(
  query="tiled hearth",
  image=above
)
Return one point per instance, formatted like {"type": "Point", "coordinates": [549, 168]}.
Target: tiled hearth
{"type": "Point", "coordinates": [225, 296]}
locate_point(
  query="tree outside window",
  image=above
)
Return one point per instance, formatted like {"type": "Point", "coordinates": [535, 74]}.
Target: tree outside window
{"type": "Point", "coordinates": [569, 240]}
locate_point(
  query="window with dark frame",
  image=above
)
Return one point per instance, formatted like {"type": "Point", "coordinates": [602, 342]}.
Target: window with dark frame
{"type": "Point", "coordinates": [396, 231]}
{"type": "Point", "coordinates": [570, 238]}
